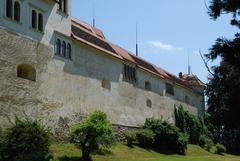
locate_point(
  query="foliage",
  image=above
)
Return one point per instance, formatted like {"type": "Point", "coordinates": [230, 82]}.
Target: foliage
{"type": "Point", "coordinates": [167, 136]}
{"type": "Point", "coordinates": [217, 7]}
{"type": "Point", "coordinates": [26, 140]}
{"type": "Point", "coordinates": [145, 137]}
{"type": "Point", "coordinates": [92, 132]}
{"type": "Point", "coordinates": [130, 138]}
{"type": "Point", "coordinates": [193, 125]}
{"type": "Point", "coordinates": [220, 148]}
{"type": "Point", "coordinates": [224, 85]}
{"type": "Point", "coordinates": [205, 142]}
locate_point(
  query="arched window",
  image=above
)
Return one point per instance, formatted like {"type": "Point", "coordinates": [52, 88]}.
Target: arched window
{"type": "Point", "coordinates": [9, 8]}
{"type": "Point", "coordinates": [17, 11]}
{"type": "Point", "coordinates": [34, 19]}
{"type": "Point", "coordinates": [63, 48]}
{"type": "Point", "coordinates": [69, 51]}
{"type": "Point", "coordinates": [148, 86]}
{"type": "Point", "coordinates": [26, 71]}
{"type": "Point", "coordinates": [40, 22]}
{"type": "Point", "coordinates": [58, 47]}
{"type": "Point", "coordinates": [149, 103]}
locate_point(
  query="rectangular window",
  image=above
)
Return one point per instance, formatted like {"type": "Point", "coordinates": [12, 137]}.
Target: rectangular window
{"type": "Point", "coordinates": [37, 20]}
{"type": "Point", "coordinates": [169, 88]}
{"type": "Point", "coordinates": [129, 73]}
{"type": "Point", "coordinates": [62, 5]}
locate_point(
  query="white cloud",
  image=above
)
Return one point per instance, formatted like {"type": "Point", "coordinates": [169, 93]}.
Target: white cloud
{"type": "Point", "coordinates": [164, 46]}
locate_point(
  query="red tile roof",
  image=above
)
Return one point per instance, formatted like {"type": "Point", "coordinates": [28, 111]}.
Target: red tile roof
{"type": "Point", "coordinates": [94, 37]}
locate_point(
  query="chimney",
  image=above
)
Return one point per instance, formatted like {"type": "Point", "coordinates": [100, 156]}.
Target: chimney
{"type": "Point", "coordinates": [180, 75]}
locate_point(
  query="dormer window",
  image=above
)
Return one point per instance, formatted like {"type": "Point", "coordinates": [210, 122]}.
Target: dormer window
{"type": "Point", "coordinates": [62, 5]}
{"type": "Point", "coordinates": [13, 10]}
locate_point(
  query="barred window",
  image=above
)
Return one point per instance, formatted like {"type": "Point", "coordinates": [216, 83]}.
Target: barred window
{"type": "Point", "coordinates": [129, 73]}
{"type": "Point", "coordinates": [169, 88]}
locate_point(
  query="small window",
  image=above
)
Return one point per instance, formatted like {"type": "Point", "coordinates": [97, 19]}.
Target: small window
{"type": "Point", "coordinates": [169, 89]}
{"type": "Point", "coordinates": [62, 5]}
{"type": "Point", "coordinates": [106, 84]}
{"type": "Point", "coordinates": [58, 47]}
{"type": "Point", "coordinates": [37, 20]}
{"type": "Point", "coordinates": [129, 73]}
{"type": "Point", "coordinates": [148, 86]}
{"type": "Point", "coordinates": [34, 19]}
{"type": "Point", "coordinates": [9, 8]}
{"type": "Point", "coordinates": [186, 99]}
{"type": "Point", "coordinates": [26, 71]}
{"type": "Point", "coordinates": [63, 48]}
{"type": "Point", "coordinates": [17, 11]}
{"type": "Point", "coordinates": [40, 22]}
{"type": "Point", "coordinates": [69, 50]}
{"type": "Point", "coordinates": [149, 103]}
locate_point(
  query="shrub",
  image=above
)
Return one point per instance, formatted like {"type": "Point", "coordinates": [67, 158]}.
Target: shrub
{"type": "Point", "coordinates": [130, 138]}
{"type": "Point", "coordinates": [26, 140]}
{"type": "Point", "coordinates": [193, 125]}
{"type": "Point", "coordinates": [91, 133]}
{"type": "Point", "coordinates": [145, 137]}
{"type": "Point", "coordinates": [205, 142]}
{"type": "Point", "coordinates": [220, 148]}
{"type": "Point", "coordinates": [167, 136]}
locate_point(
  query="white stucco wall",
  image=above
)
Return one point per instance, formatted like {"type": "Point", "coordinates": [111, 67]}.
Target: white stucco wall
{"type": "Point", "coordinates": [53, 19]}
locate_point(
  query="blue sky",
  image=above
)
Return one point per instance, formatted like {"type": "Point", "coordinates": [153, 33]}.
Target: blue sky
{"type": "Point", "coordinates": [168, 30]}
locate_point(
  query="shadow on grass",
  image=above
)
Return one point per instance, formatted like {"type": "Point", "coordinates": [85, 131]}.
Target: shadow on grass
{"type": "Point", "coordinates": [66, 158]}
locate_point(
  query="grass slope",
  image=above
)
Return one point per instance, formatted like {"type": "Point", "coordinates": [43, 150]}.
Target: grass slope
{"type": "Point", "coordinates": [120, 152]}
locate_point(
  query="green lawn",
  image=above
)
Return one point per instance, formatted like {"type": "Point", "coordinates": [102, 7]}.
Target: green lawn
{"type": "Point", "coordinates": [120, 152]}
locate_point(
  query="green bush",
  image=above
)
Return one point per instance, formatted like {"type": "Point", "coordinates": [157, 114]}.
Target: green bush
{"type": "Point", "coordinates": [131, 138]}
{"type": "Point", "coordinates": [205, 142]}
{"type": "Point", "coordinates": [220, 148]}
{"type": "Point", "coordinates": [167, 136]}
{"type": "Point", "coordinates": [193, 125]}
{"type": "Point", "coordinates": [145, 137]}
{"type": "Point", "coordinates": [26, 140]}
{"type": "Point", "coordinates": [91, 133]}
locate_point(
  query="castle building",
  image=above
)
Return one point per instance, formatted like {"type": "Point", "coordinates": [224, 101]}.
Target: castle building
{"type": "Point", "coordinates": [57, 68]}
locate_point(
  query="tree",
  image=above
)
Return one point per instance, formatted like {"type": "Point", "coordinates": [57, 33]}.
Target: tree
{"type": "Point", "coordinates": [223, 89]}
{"type": "Point", "coordinates": [26, 140]}
{"type": "Point", "coordinates": [92, 132]}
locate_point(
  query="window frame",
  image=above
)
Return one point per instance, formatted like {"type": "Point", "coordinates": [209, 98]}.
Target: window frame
{"type": "Point", "coordinates": [38, 26]}
{"type": "Point", "coordinates": [129, 73]}
{"type": "Point", "coordinates": [169, 87]}
{"type": "Point", "coordinates": [63, 47]}
{"type": "Point", "coordinates": [11, 12]}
